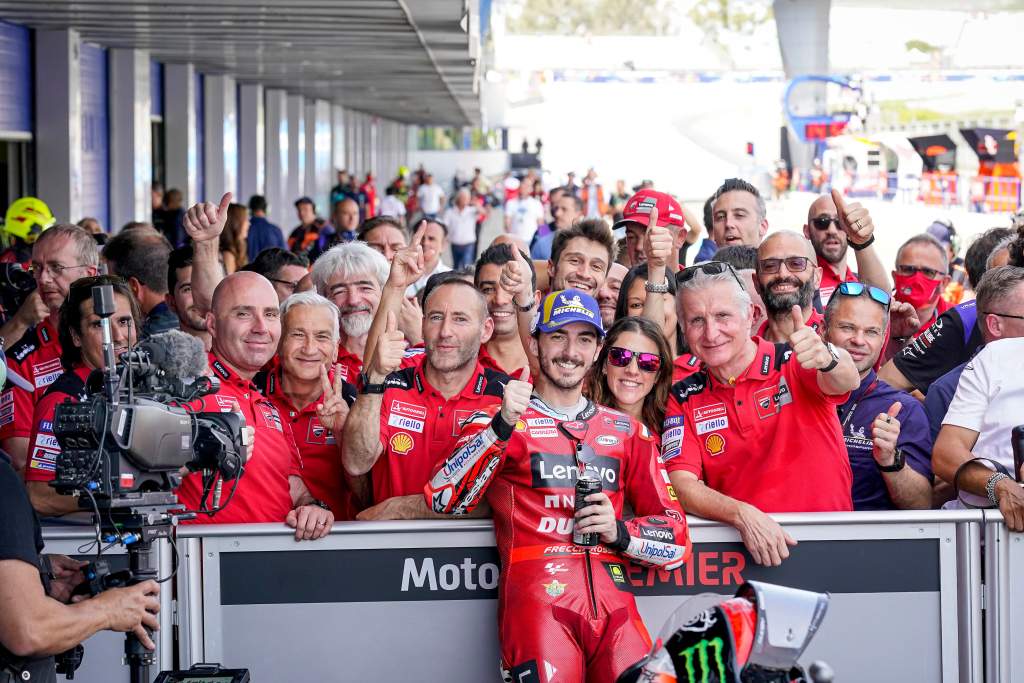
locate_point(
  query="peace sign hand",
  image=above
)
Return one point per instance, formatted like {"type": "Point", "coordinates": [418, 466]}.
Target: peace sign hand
{"type": "Point", "coordinates": [408, 264]}
{"type": "Point", "coordinates": [333, 411]}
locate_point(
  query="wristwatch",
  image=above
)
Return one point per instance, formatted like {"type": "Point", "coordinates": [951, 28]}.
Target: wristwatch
{"type": "Point", "coordinates": [319, 504]}
{"type": "Point", "coordinates": [367, 387]}
{"type": "Point", "coordinates": [898, 461]}
{"type": "Point", "coordinates": [656, 289]}
{"type": "Point", "coordinates": [525, 309]}
{"type": "Point", "coordinates": [863, 245]}
{"type": "Point", "coordinates": [835, 358]}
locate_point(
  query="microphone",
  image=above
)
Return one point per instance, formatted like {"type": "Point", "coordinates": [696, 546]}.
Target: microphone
{"type": "Point", "coordinates": [174, 353]}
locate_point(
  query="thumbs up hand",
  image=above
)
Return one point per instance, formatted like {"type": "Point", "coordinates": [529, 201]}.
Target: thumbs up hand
{"type": "Point", "coordinates": [205, 221]}
{"type": "Point", "coordinates": [516, 398]}
{"type": "Point", "coordinates": [387, 356]}
{"type": "Point", "coordinates": [854, 219]}
{"type": "Point", "coordinates": [810, 351]}
{"type": "Point", "coordinates": [884, 434]}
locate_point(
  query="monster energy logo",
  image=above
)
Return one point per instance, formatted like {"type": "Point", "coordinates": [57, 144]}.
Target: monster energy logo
{"type": "Point", "coordinates": [698, 664]}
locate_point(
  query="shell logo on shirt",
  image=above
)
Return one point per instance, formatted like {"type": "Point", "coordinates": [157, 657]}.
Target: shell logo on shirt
{"type": "Point", "coordinates": [715, 443]}
{"type": "Point", "coordinates": [401, 443]}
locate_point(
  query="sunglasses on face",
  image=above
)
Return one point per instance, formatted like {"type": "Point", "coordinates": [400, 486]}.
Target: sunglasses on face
{"type": "Point", "coordinates": [929, 273]}
{"type": "Point", "coordinates": [708, 268]}
{"type": "Point", "coordinates": [620, 358]}
{"type": "Point", "coordinates": [858, 288]}
{"type": "Point", "coordinates": [794, 264]}
{"type": "Point", "coordinates": [822, 222]}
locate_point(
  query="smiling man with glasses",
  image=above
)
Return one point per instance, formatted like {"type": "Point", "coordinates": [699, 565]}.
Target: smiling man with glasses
{"type": "Point", "coordinates": [832, 226]}
{"type": "Point", "coordinates": [61, 255]}
{"type": "Point", "coordinates": [786, 277]}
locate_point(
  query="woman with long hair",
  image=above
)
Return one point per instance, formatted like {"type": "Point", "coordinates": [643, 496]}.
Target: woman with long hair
{"type": "Point", "coordinates": [234, 248]}
{"type": "Point", "coordinates": [632, 297]}
{"type": "Point", "coordinates": [633, 372]}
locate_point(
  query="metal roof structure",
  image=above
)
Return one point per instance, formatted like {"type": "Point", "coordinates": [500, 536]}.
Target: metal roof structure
{"type": "Point", "coordinates": [412, 61]}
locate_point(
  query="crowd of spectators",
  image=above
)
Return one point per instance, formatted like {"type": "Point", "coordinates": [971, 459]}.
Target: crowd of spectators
{"type": "Point", "coordinates": [780, 374]}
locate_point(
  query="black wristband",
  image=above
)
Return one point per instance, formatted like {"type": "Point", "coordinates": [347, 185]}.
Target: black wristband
{"type": "Point", "coordinates": [622, 542]}
{"type": "Point", "coordinates": [319, 504]}
{"type": "Point", "coordinates": [863, 245]}
{"type": "Point", "coordinates": [502, 429]}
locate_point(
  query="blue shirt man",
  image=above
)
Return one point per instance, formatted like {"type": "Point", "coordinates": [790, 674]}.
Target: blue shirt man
{"type": "Point", "coordinates": [262, 233]}
{"type": "Point", "coordinates": [857, 416]}
{"type": "Point", "coordinates": [885, 429]}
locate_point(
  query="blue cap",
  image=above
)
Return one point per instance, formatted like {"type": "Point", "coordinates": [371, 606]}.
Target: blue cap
{"type": "Point", "coordinates": [569, 306]}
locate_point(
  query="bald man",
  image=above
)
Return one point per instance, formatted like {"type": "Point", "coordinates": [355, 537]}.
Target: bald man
{"type": "Point", "coordinates": [244, 322]}
{"type": "Point", "coordinates": [786, 275]}
{"type": "Point", "coordinates": [831, 234]}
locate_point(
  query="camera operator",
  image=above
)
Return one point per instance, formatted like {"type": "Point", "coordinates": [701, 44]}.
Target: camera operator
{"type": "Point", "coordinates": [60, 255]}
{"type": "Point", "coordinates": [35, 621]}
{"type": "Point", "coordinates": [81, 338]}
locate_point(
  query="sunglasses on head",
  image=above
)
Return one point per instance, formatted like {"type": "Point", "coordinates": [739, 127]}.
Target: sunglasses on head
{"type": "Point", "coordinates": [822, 222]}
{"type": "Point", "coordinates": [858, 288]}
{"type": "Point", "coordinates": [708, 268]}
{"type": "Point", "coordinates": [794, 264]}
{"type": "Point", "coordinates": [620, 358]}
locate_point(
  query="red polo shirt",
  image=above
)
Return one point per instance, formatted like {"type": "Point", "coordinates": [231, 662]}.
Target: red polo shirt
{"type": "Point", "coordinates": [321, 467]}
{"type": "Point", "coordinates": [829, 280]}
{"type": "Point", "coordinates": [684, 366]}
{"type": "Point", "coordinates": [941, 306]}
{"type": "Point", "coordinates": [772, 440]}
{"type": "Point", "coordinates": [262, 492]}
{"type": "Point", "coordinates": [351, 365]}
{"type": "Point", "coordinates": [35, 357]}
{"type": "Point", "coordinates": [418, 426]}
{"type": "Point", "coordinates": [43, 448]}
{"type": "Point", "coordinates": [487, 360]}
{"type": "Point", "coordinates": [816, 322]}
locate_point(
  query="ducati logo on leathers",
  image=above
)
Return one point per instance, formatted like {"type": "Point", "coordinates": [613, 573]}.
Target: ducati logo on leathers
{"type": "Point", "coordinates": [552, 471]}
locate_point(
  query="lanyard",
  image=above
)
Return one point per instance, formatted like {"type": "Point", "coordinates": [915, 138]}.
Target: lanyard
{"type": "Point", "coordinates": [845, 418]}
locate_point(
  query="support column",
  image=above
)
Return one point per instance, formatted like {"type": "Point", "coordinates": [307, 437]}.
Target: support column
{"type": "Point", "coordinates": [337, 139]}
{"type": "Point", "coordinates": [58, 125]}
{"type": "Point", "coordinates": [220, 138]}
{"type": "Point", "coordinates": [318, 174]}
{"type": "Point", "coordinates": [252, 141]}
{"type": "Point", "coordinates": [803, 41]}
{"type": "Point", "coordinates": [295, 187]}
{"type": "Point", "coordinates": [180, 129]}
{"type": "Point", "coordinates": [131, 150]}
{"type": "Point", "coordinates": [279, 209]}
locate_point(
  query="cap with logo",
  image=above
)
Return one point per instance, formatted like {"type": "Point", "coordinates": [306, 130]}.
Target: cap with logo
{"type": "Point", "coordinates": [638, 209]}
{"type": "Point", "coordinates": [558, 309]}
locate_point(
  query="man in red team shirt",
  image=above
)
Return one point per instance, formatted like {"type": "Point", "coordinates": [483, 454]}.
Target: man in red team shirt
{"type": "Point", "coordinates": [405, 420]}
{"type": "Point", "coordinates": [245, 325]}
{"type": "Point", "coordinates": [563, 608]}
{"type": "Point", "coordinates": [61, 255]}
{"type": "Point", "coordinates": [311, 396]}
{"type": "Point", "coordinates": [755, 430]}
{"type": "Point", "coordinates": [81, 339]}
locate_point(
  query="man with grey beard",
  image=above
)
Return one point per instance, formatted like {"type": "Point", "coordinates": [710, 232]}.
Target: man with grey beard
{"type": "Point", "coordinates": [352, 275]}
{"type": "Point", "coordinates": [787, 275]}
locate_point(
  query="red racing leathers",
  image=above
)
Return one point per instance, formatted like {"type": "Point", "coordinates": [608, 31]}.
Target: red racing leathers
{"type": "Point", "coordinates": [564, 609]}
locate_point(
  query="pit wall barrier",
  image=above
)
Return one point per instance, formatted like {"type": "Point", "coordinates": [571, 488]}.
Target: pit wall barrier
{"type": "Point", "coordinates": [396, 601]}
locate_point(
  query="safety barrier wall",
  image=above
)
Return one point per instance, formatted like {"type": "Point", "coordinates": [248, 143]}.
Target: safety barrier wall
{"type": "Point", "coordinates": [980, 194]}
{"type": "Point", "coordinates": [417, 600]}
{"type": "Point", "coordinates": [1004, 600]}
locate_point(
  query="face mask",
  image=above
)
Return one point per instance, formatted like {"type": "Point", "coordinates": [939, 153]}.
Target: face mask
{"type": "Point", "coordinates": [917, 290]}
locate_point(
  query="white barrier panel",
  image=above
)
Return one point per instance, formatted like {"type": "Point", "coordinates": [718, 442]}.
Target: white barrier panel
{"type": "Point", "coordinates": [416, 600]}
{"type": "Point", "coordinates": [105, 650]}
{"type": "Point", "coordinates": [1004, 601]}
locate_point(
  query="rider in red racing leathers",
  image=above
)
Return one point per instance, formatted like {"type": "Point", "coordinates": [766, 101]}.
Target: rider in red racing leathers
{"type": "Point", "coordinates": [564, 608]}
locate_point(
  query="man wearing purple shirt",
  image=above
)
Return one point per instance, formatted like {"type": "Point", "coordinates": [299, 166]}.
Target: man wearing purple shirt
{"type": "Point", "coordinates": [885, 429]}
